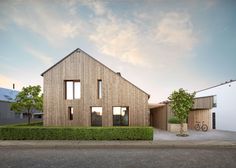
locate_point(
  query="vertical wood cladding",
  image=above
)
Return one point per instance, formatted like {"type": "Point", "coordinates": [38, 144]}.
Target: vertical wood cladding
{"type": "Point", "coordinates": [199, 116]}
{"type": "Point", "coordinates": [159, 117]}
{"type": "Point", "coordinates": [116, 91]}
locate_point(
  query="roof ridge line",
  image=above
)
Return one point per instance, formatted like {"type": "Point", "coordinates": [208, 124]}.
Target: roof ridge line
{"type": "Point", "coordinates": [78, 50]}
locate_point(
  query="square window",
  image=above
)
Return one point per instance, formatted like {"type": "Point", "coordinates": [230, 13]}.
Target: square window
{"type": "Point", "coordinates": [96, 116]}
{"type": "Point", "coordinates": [73, 90]}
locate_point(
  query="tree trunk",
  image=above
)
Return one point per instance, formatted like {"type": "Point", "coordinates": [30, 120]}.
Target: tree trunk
{"type": "Point", "coordinates": [29, 116]}
{"type": "Point", "coordinates": [181, 128]}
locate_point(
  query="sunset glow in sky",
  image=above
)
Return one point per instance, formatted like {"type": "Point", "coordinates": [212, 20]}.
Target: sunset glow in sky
{"type": "Point", "coordinates": [159, 45]}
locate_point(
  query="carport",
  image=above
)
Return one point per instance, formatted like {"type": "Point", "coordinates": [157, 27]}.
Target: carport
{"type": "Point", "coordinates": [201, 111]}
{"type": "Point", "coordinates": [158, 116]}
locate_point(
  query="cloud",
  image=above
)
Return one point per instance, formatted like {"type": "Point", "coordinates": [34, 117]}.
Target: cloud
{"type": "Point", "coordinates": [169, 39]}
{"type": "Point", "coordinates": [41, 18]}
{"type": "Point", "coordinates": [47, 60]}
{"type": "Point", "coordinates": [142, 40]}
{"type": "Point", "coordinates": [176, 31]}
{"type": "Point", "coordinates": [98, 7]}
{"type": "Point", "coordinates": [119, 39]}
{"type": "Point", "coordinates": [2, 26]}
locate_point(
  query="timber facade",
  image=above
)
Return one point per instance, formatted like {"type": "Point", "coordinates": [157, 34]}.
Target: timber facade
{"type": "Point", "coordinates": [81, 91]}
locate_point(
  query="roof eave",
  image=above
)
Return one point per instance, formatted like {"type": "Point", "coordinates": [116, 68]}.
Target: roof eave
{"type": "Point", "coordinates": [76, 50]}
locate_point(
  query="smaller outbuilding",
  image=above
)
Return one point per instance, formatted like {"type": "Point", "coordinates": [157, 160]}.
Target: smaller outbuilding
{"type": "Point", "coordinates": [7, 116]}
{"type": "Point", "coordinates": [7, 96]}
{"type": "Point", "coordinates": [160, 113]}
{"type": "Point", "coordinates": [223, 113]}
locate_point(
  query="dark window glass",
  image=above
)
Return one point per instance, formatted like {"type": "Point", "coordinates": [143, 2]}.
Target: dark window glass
{"type": "Point", "coordinates": [213, 120]}
{"type": "Point", "coordinates": [99, 89]}
{"type": "Point", "coordinates": [96, 116]}
{"type": "Point", "coordinates": [70, 113]}
{"type": "Point", "coordinates": [120, 116]}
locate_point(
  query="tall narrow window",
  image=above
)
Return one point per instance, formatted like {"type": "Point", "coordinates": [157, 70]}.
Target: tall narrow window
{"type": "Point", "coordinates": [73, 90]}
{"type": "Point", "coordinates": [120, 116]}
{"type": "Point", "coordinates": [214, 104]}
{"type": "Point", "coordinates": [99, 89]}
{"type": "Point", "coordinates": [69, 90]}
{"type": "Point", "coordinates": [96, 116]}
{"type": "Point", "coordinates": [77, 90]}
{"type": "Point", "coordinates": [70, 113]}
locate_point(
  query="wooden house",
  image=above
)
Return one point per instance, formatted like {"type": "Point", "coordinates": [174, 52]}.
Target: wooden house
{"type": "Point", "coordinates": [81, 91]}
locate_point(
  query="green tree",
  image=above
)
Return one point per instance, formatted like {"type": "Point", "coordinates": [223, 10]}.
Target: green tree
{"type": "Point", "coordinates": [28, 99]}
{"type": "Point", "coordinates": [181, 102]}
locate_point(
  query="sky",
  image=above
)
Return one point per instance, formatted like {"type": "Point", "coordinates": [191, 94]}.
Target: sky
{"type": "Point", "coordinates": [158, 45]}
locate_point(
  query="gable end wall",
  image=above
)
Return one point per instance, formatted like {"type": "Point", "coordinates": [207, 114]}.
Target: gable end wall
{"type": "Point", "coordinates": [116, 91]}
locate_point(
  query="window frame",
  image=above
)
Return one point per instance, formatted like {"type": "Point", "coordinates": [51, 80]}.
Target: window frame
{"type": "Point", "coordinates": [127, 108]}
{"type": "Point", "coordinates": [91, 111]}
{"type": "Point", "coordinates": [99, 88]}
{"type": "Point", "coordinates": [73, 89]}
{"type": "Point", "coordinates": [214, 102]}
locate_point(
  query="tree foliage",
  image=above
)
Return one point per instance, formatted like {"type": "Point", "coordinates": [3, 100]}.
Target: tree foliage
{"type": "Point", "coordinates": [28, 99]}
{"type": "Point", "coordinates": [181, 102]}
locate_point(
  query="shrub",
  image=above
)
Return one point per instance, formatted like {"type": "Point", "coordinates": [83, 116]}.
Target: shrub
{"type": "Point", "coordinates": [173, 120]}
{"type": "Point", "coordinates": [75, 133]}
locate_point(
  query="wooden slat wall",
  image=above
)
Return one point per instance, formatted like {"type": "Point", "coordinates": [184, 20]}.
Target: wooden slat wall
{"type": "Point", "coordinates": [159, 117]}
{"type": "Point", "coordinates": [203, 103]}
{"type": "Point", "coordinates": [199, 115]}
{"type": "Point", "coordinates": [116, 91]}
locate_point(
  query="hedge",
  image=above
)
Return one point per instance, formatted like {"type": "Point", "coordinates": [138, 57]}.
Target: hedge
{"type": "Point", "coordinates": [173, 120]}
{"type": "Point", "coordinates": [36, 123]}
{"type": "Point", "coordinates": [75, 133]}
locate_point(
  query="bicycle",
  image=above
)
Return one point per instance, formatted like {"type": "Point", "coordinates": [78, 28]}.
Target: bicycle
{"type": "Point", "coordinates": [198, 126]}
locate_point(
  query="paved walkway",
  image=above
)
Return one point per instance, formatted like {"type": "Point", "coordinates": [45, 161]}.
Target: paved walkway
{"type": "Point", "coordinates": [196, 135]}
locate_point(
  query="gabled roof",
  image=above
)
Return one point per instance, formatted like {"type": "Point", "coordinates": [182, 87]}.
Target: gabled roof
{"type": "Point", "coordinates": [227, 82]}
{"type": "Point", "coordinates": [8, 95]}
{"type": "Point", "coordinates": [79, 50]}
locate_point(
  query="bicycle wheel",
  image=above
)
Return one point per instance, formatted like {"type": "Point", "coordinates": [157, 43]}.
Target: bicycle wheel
{"type": "Point", "coordinates": [197, 127]}
{"type": "Point", "coordinates": [204, 127]}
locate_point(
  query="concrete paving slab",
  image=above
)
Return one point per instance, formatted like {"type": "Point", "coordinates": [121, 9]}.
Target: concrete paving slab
{"type": "Point", "coordinates": [196, 135]}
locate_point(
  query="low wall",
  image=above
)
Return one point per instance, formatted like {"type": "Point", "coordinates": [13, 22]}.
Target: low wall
{"type": "Point", "coordinates": [176, 127]}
